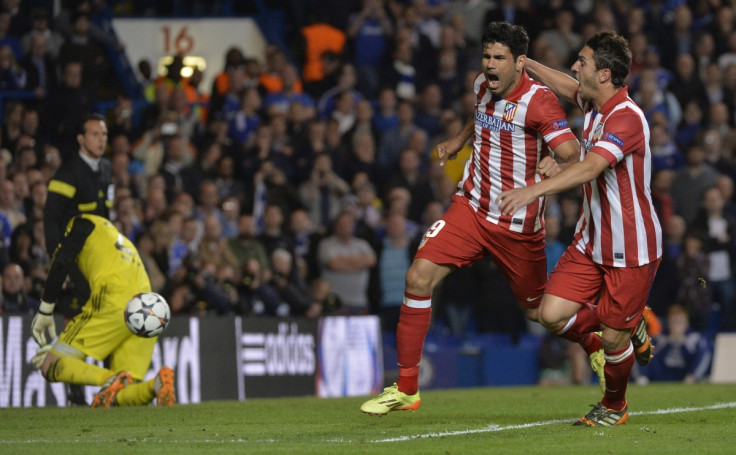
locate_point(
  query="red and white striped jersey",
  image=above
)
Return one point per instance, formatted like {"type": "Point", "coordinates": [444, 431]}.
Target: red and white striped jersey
{"type": "Point", "coordinates": [618, 226]}
{"type": "Point", "coordinates": [508, 143]}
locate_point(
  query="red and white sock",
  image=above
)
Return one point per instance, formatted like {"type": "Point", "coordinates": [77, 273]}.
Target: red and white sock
{"type": "Point", "coordinates": [413, 325]}
{"type": "Point", "coordinates": [618, 369]}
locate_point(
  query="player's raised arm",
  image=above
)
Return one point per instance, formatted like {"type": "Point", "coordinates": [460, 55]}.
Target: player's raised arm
{"type": "Point", "coordinates": [560, 83]}
{"type": "Point", "coordinates": [447, 149]}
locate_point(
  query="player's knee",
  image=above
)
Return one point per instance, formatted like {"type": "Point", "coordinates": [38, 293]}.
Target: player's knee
{"type": "Point", "coordinates": [614, 340]}
{"type": "Point", "coordinates": [48, 369]}
{"type": "Point", "coordinates": [549, 318]}
{"type": "Point", "coordinates": [418, 282]}
{"type": "Point", "coordinates": [414, 278]}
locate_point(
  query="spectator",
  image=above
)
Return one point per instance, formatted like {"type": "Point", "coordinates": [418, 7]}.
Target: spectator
{"type": "Point", "coordinates": [12, 75]}
{"type": "Point", "coordinates": [691, 124]}
{"type": "Point", "coordinates": [423, 33]}
{"type": "Point", "coordinates": [291, 287]}
{"type": "Point", "coordinates": [345, 262]}
{"type": "Point", "coordinates": [719, 234]}
{"type": "Point", "coordinates": [257, 296]}
{"type": "Point", "coordinates": [40, 67]}
{"type": "Point", "coordinates": [205, 168]}
{"type": "Point", "coordinates": [327, 303]}
{"type": "Point", "coordinates": [411, 177]}
{"type": "Point", "coordinates": [245, 246]}
{"type": "Point", "coordinates": [713, 82]}
{"type": "Point", "coordinates": [64, 23]}
{"type": "Point", "coordinates": [278, 102]}
{"type": "Point", "coordinates": [679, 37]}
{"type": "Point", "coordinates": [718, 119]}
{"type": "Point", "coordinates": [230, 191]}
{"type": "Point", "coordinates": [692, 265]}
{"type": "Point", "coordinates": [187, 117]}
{"type": "Point", "coordinates": [175, 166]}
{"type": "Point", "coordinates": [394, 260]}
{"type": "Point", "coordinates": [305, 239]}
{"type": "Point", "coordinates": [472, 13]}
{"type": "Point", "coordinates": [244, 122]}
{"type": "Point", "coordinates": [319, 38]}
{"type": "Point", "coordinates": [322, 193]}
{"type": "Point", "coordinates": [721, 27]}
{"type": "Point", "coordinates": [386, 116]}
{"type": "Point", "coordinates": [369, 205]}
{"type": "Point", "coordinates": [12, 127]}
{"type": "Point", "coordinates": [234, 59]}
{"type": "Point", "coordinates": [726, 185]}
{"type": "Point", "coordinates": [717, 155]}
{"type": "Point", "coordinates": [155, 108]}
{"type": "Point", "coordinates": [272, 79]}
{"type": "Point", "coordinates": [64, 109]}
{"type": "Point", "coordinates": [395, 139]}
{"type": "Point", "coordinates": [400, 73]}
{"type": "Point", "coordinates": [14, 299]}
{"type": "Point", "coordinates": [449, 77]}
{"type": "Point", "coordinates": [208, 202]}
{"type": "Point", "coordinates": [40, 28]}
{"type": "Point", "coordinates": [9, 204]}
{"type": "Point", "coordinates": [80, 48]}
{"type": "Point", "coordinates": [686, 85]}
{"type": "Point", "coordinates": [213, 247]}
{"type": "Point", "coordinates": [369, 31]}
{"type": "Point", "coordinates": [562, 38]}
{"type": "Point", "coordinates": [664, 288]}
{"type": "Point", "coordinates": [691, 182]}
{"type": "Point", "coordinates": [188, 242]}
{"type": "Point", "coordinates": [429, 112]}
{"type": "Point", "coordinates": [665, 154]}
{"type": "Point", "coordinates": [275, 233]}
{"type": "Point", "coordinates": [144, 243]}
{"type": "Point", "coordinates": [683, 354]}
{"type": "Point", "coordinates": [7, 37]}
{"type": "Point", "coordinates": [120, 120]}
{"type": "Point", "coordinates": [33, 206]}
{"type": "Point", "coordinates": [656, 102]}
{"type": "Point", "coordinates": [346, 82]}
{"type": "Point", "coordinates": [362, 159]}
{"type": "Point", "coordinates": [364, 115]}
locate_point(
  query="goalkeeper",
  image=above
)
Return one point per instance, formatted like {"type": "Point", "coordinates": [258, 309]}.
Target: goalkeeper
{"type": "Point", "coordinates": [115, 273]}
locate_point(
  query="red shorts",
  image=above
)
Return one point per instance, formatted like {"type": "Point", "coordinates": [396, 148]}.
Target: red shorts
{"type": "Point", "coordinates": [623, 291]}
{"type": "Point", "coordinates": [461, 238]}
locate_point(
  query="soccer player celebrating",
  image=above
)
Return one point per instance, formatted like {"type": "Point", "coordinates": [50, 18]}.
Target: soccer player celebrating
{"type": "Point", "coordinates": [618, 245]}
{"type": "Point", "coordinates": [515, 120]}
{"type": "Point", "coordinates": [113, 268]}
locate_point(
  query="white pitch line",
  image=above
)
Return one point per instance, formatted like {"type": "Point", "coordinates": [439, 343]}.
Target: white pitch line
{"type": "Point", "coordinates": [496, 428]}
{"type": "Point", "coordinates": [488, 429]}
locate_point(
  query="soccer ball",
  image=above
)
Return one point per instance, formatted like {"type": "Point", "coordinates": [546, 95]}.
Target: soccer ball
{"type": "Point", "coordinates": [147, 314]}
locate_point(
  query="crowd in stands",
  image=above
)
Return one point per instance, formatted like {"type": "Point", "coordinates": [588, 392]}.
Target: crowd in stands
{"type": "Point", "coordinates": [300, 184]}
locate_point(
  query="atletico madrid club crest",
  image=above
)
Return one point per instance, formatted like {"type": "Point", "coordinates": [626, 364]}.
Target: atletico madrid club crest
{"type": "Point", "coordinates": [509, 111]}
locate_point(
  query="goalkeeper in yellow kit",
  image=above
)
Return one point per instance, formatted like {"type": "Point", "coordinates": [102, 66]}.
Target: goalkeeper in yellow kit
{"type": "Point", "coordinates": [113, 268]}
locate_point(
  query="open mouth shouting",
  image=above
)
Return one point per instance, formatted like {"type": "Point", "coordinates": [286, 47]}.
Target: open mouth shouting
{"type": "Point", "coordinates": [494, 82]}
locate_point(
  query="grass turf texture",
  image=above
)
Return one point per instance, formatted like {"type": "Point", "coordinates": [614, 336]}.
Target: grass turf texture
{"type": "Point", "coordinates": [529, 420]}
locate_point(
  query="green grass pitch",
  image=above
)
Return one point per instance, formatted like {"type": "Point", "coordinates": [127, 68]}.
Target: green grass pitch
{"type": "Point", "coordinates": [665, 419]}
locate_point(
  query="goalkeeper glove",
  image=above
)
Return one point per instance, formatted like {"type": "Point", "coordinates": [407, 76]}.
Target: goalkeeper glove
{"type": "Point", "coordinates": [43, 320]}
{"type": "Point", "coordinates": [40, 356]}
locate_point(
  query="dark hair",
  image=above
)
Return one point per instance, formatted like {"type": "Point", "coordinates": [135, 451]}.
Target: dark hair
{"type": "Point", "coordinates": [82, 127]}
{"type": "Point", "coordinates": [611, 50]}
{"type": "Point", "coordinates": [513, 36]}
